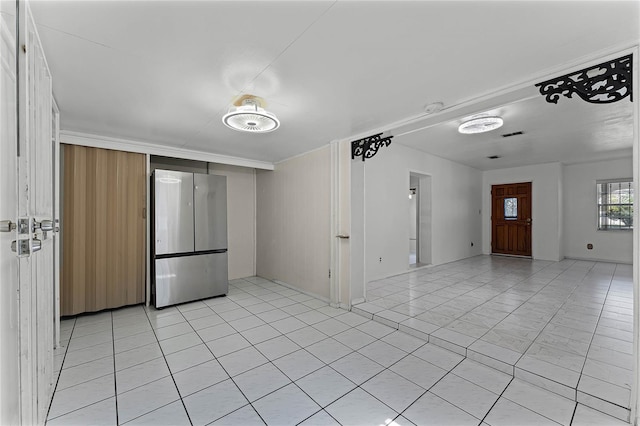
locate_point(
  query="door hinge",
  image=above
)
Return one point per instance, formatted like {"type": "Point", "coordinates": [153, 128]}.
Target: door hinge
{"type": "Point", "coordinates": [24, 48]}
{"type": "Point", "coordinates": [329, 273]}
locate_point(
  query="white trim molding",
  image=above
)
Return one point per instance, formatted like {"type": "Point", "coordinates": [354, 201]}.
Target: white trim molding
{"type": "Point", "coordinates": [635, 392]}
{"type": "Point", "coordinates": [97, 141]}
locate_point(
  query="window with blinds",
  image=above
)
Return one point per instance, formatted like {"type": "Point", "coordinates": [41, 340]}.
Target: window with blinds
{"type": "Point", "coordinates": [615, 204]}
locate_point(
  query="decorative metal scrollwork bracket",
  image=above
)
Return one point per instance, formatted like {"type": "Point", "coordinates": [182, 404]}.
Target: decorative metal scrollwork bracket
{"type": "Point", "coordinates": [601, 84]}
{"type": "Point", "coordinates": [369, 146]}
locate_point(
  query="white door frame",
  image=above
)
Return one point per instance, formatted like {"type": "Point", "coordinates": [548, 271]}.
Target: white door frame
{"type": "Point", "coordinates": [57, 259]}
{"type": "Point", "coordinates": [340, 226]}
{"type": "Point", "coordinates": [635, 393]}
{"type": "Point", "coordinates": [10, 407]}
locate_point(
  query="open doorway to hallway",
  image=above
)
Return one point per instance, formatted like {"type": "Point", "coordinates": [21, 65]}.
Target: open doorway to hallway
{"type": "Point", "coordinates": [419, 219]}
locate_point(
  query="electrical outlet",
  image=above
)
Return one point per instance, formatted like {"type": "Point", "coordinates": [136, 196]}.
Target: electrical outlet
{"type": "Point", "coordinates": [380, 260]}
{"type": "Point", "coordinates": [589, 246]}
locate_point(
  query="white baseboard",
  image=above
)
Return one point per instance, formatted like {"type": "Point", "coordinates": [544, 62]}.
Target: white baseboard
{"type": "Point", "coordinates": [308, 293]}
{"type": "Point", "coordinates": [595, 259]}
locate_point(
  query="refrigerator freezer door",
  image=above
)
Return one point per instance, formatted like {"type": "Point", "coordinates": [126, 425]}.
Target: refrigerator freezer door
{"type": "Point", "coordinates": [173, 204]}
{"type": "Point", "coordinates": [210, 199]}
{"type": "Point", "coordinates": [186, 278]}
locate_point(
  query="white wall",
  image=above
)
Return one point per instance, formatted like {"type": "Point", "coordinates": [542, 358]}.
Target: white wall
{"type": "Point", "coordinates": [581, 216]}
{"type": "Point", "coordinates": [455, 200]}
{"type": "Point", "coordinates": [293, 222]}
{"type": "Point", "coordinates": [241, 218]}
{"type": "Point", "coordinates": [546, 238]}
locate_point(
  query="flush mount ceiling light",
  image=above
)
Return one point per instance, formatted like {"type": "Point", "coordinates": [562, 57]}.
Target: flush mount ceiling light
{"type": "Point", "coordinates": [247, 115]}
{"type": "Point", "coordinates": [480, 125]}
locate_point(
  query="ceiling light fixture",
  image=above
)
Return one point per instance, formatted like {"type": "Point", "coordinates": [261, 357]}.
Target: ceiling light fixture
{"type": "Point", "coordinates": [480, 125]}
{"type": "Point", "coordinates": [247, 115]}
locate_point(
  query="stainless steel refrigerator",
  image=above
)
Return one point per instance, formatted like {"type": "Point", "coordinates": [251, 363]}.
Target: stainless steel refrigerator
{"type": "Point", "coordinates": [189, 237]}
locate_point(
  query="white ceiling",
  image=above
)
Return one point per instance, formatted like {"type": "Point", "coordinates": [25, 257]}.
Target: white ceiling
{"type": "Point", "coordinates": [166, 71]}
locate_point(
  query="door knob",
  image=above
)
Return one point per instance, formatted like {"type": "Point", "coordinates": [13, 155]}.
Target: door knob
{"type": "Point", "coordinates": [36, 245]}
{"type": "Point", "coordinates": [7, 226]}
{"type": "Point", "coordinates": [22, 225]}
{"type": "Point", "coordinates": [44, 225]}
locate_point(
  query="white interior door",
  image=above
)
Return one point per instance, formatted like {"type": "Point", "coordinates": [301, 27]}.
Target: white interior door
{"type": "Point", "coordinates": [35, 206]}
{"type": "Point", "coordinates": [9, 282]}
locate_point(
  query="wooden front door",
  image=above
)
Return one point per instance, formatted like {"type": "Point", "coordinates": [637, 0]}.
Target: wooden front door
{"type": "Point", "coordinates": [511, 219]}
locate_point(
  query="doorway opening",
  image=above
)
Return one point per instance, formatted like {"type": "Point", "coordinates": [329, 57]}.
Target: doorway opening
{"type": "Point", "coordinates": [419, 219]}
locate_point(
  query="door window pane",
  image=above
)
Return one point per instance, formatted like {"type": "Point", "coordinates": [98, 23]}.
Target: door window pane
{"type": "Point", "coordinates": [510, 208]}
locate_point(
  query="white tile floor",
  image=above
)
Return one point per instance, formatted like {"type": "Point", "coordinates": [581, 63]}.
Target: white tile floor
{"type": "Point", "coordinates": [564, 326]}
{"type": "Point", "coordinates": [269, 354]}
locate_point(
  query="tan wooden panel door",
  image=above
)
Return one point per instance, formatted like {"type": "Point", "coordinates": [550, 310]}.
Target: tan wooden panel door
{"type": "Point", "coordinates": [103, 229]}
{"type": "Point", "coordinates": [511, 219]}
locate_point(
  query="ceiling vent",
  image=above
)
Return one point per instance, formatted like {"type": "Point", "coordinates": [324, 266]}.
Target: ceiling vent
{"type": "Point", "coordinates": [248, 115]}
{"type": "Point", "coordinates": [508, 135]}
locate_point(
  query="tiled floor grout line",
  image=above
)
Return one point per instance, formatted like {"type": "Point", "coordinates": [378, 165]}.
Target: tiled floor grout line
{"type": "Point", "coordinates": [496, 401]}
{"type": "Point", "coordinates": [511, 313]}
{"type": "Point", "coordinates": [573, 415]}
{"type": "Point", "coordinates": [223, 368]}
{"type": "Point", "coordinates": [89, 380]}
{"type": "Point", "coordinates": [549, 321]}
{"type": "Point", "coordinates": [115, 381]}
{"type": "Point", "coordinates": [484, 303]}
{"type": "Point", "coordinates": [311, 372]}
{"type": "Point", "coordinates": [430, 387]}
{"type": "Point", "coordinates": [59, 372]}
{"type": "Point", "coordinates": [170, 374]}
{"type": "Point", "coordinates": [359, 386]}
{"type": "Point", "coordinates": [249, 402]}
{"type": "Point", "coordinates": [586, 356]}
{"type": "Point", "coordinates": [253, 346]}
{"type": "Point", "coordinates": [294, 313]}
{"type": "Point", "coordinates": [97, 344]}
{"type": "Point", "coordinates": [294, 382]}
{"type": "Point", "coordinates": [489, 300]}
{"type": "Point", "coordinates": [567, 303]}
{"type": "Point", "coordinates": [594, 333]}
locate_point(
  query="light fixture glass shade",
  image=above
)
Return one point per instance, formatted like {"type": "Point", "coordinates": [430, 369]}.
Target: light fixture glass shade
{"type": "Point", "coordinates": [480, 125]}
{"type": "Point", "coordinates": [250, 118]}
